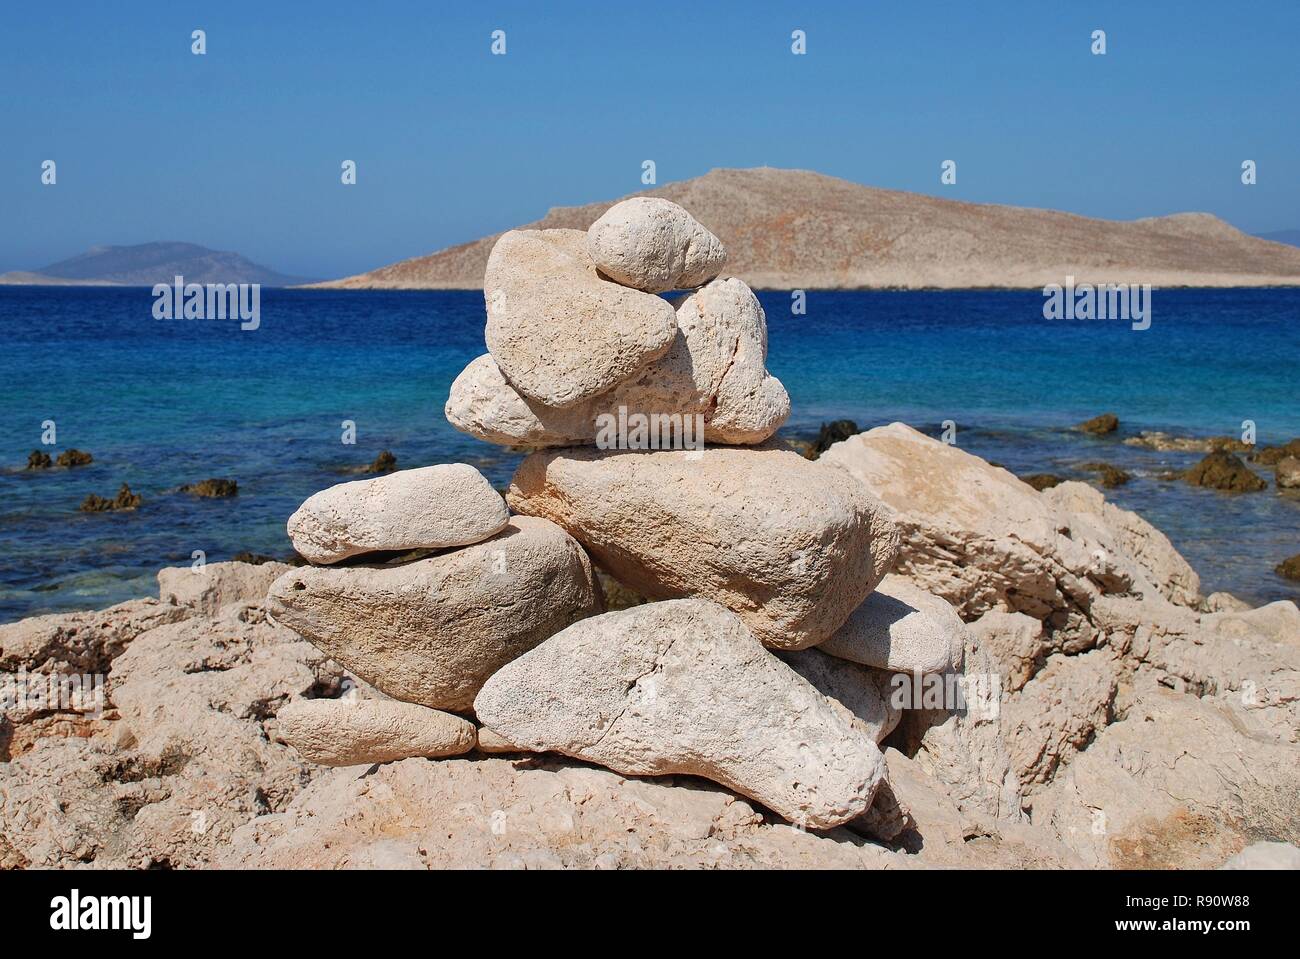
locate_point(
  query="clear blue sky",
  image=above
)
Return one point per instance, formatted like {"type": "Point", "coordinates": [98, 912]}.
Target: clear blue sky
{"type": "Point", "coordinates": [240, 149]}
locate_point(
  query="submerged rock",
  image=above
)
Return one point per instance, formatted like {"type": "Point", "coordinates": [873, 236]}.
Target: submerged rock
{"type": "Point", "coordinates": [1272, 455]}
{"type": "Point", "coordinates": [38, 460]}
{"type": "Point", "coordinates": [1167, 442]}
{"type": "Point", "coordinates": [1223, 471]}
{"type": "Point", "coordinates": [124, 500]}
{"type": "Point", "coordinates": [1288, 473]}
{"type": "Point", "coordinates": [1041, 481]}
{"type": "Point", "coordinates": [1289, 568]}
{"type": "Point", "coordinates": [681, 687]}
{"type": "Point", "coordinates": [75, 458]}
{"type": "Point", "coordinates": [1105, 423]}
{"type": "Point", "coordinates": [385, 462]}
{"type": "Point", "coordinates": [1111, 476]}
{"type": "Point", "coordinates": [212, 488]}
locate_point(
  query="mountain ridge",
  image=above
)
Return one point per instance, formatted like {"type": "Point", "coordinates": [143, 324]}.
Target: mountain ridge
{"type": "Point", "coordinates": [798, 229]}
{"type": "Point", "coordinates": [146, 264]}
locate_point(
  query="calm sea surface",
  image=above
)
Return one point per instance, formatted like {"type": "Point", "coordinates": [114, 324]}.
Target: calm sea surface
{"type": "Point", "coordinates": [163, 403]}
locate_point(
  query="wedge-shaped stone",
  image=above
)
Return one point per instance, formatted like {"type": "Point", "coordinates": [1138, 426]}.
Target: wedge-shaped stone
{"type": "Point", "coordinates": [338, 732]}
{"type": "Point", "coordinates": [715, 370]}
{"type": "Point", "coordinates": [559, 332]}
{"type": "Point", "coordinates": [434, 507]}
{"type": "Point", "coordinates": [432, 631]}
{"type": "Point", "coordinates": [790, 547]}
{"type": "Point", "coordinates": [654, 245]}
{"type": "Point", "coordinates": [900, 627]}
{"type": "Point", "coordinates": [682, 687]}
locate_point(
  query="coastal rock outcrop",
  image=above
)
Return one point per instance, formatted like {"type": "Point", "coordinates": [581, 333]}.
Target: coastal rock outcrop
{"type": "Point", "coordinates": [38, 460]}
{"type": "Point", "coordinates": [212, 488]}
{"type": "Point", "coordinates": [682, 687]}
{"type": "Point", "coordinates": [1101, 424]}
{"type": "Point", "coordinates": [124, 500]}
{"type": "Point", "coordinates": [207, 588]}
{"type": "Point", "coordinates": [654, 245]}
{"type": "Point", "coordinates": [341, 732]}
{"type": "Point", "coordinates": [74, 457]}
{"type": "Point", "coordinates": [433, 630]}
{"type": "Point", "coordinates": [559, 332]}
{"type": "Point", "coordinates": [788, 546]}
{"type": "Point", "coordinates": [434, 507]}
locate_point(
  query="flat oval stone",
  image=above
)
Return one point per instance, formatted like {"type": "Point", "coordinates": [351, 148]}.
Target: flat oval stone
{"type": "Point", "coordinates": [341, 732]}
{"type": "Point", "coordinates": [434, 507]}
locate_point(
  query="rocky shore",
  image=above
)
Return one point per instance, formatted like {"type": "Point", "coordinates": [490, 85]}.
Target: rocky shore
{"type": "Point", "coordinates": [896, 655]}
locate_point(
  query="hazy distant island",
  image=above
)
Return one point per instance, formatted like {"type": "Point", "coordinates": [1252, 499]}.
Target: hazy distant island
{"type": "Point", "coordinates": [148, 263]}
{"type": "Point", "coordinates": [794, 229]}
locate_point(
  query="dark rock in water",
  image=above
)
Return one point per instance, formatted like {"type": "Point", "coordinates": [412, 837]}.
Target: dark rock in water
{"type": "Point", "coordinates": [1272, 455]}
{"type": "Point", "coordinates": [212, 488]}
{"type": "Point", "coordinates": [1105, 423]}
{"type": "Point", "coordinates": [1288, 473]}
{"type": "Point", "coordinates": [75, 458]}
{"type": "Point", "coordinates": [1224, 471]}
{"type": "Point", "coordinates": [125, 499]}
{"type": "Point", "coordinates": [1042, 481]}
{"type": "Point", "coordinates": [1289, 568]}
{"type": "Point", "coordinates": [1111, 476]}
{"type": "Point", "coordinates": [385, 462]}
{"type": "Point", "coordinates": [253, 559]}
{"type": "Point", "coordinates": [38, 460]}
{"type": "Point", "coordinates": [830, 434]}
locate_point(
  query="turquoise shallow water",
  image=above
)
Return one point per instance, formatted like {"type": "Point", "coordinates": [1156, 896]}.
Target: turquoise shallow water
{"type": "Point", "coordinates": [162, 403]}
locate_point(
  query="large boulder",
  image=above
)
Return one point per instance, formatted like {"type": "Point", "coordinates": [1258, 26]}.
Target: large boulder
{"type": "Point", "coordinates": [559, 331]}
{"type": "Point", "coordinates": [435, 507]}
{"type": "Point", "coordinates": [790, 547]}
{"type": "Point", "coordinates": [682, 687]}
{"type": "Point", "coordinates": [982, 539]}
{"type": "Point", "coordinates": [715, 370]}
{"type": "Point", "coordinates": [652, 244]}
{"type": "Point", "coordinates": [433, 630]}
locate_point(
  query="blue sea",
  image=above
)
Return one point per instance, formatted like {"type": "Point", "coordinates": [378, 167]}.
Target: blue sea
{"type": "Point", "coordinates": [163, 403]}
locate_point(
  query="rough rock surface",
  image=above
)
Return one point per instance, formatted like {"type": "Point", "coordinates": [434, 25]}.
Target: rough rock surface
{"type": "Point", "coordinates": [714, 369]}
{"type": "Point", "coordinates": [79, 642]}
{"type": "Point", "coordinates": [559, 332]}
{"type": "Point", "coordinates": [900, 627]}
{"type": "Point", "coordinates": [681, 687]}
{"type": "Point", "coordinates": [1287, 475]}
{"type": "Point", "coordinates": [1223, 471]}
{"type": "Point", "coordinates": [1103, 423]}
{"type": "Point", "coordinates": [432, 630]}
{"type": "Point", "coordinates": [537, 813]}
{"type": "Point", "coordinates": [207, 588]}
{"type": "Point", "coordinates": [345, 732]}
{"type": "Point", "coordinates": [789, 546]}
{"type": "Point", "coordinates": [184, 758]}
{"type": "Point", "coordinates": [1265, 855]}
{"type": "Point", "coordinates": [980, 538]}
{"type": "Point", "coordinates": [434, 507]}
{"type": "Point", "coordinates": [654, 245]}
{"type": "Point", "coordinates": [864, 692]}
{"type": "Point", "coordinates": [1176, 783]}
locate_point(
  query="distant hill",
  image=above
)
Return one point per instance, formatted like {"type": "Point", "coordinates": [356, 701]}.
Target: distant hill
{"type": "Point", "coordinates": [792, 229]}
{"type": "Point", "coordinates": [1290, 237]}
{"type": "Point", "coordinates": [150, 263]}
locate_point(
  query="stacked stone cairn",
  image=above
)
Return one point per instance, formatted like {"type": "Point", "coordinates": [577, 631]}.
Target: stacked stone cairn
{"type": "Point", "coordinates": [764, 658]}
